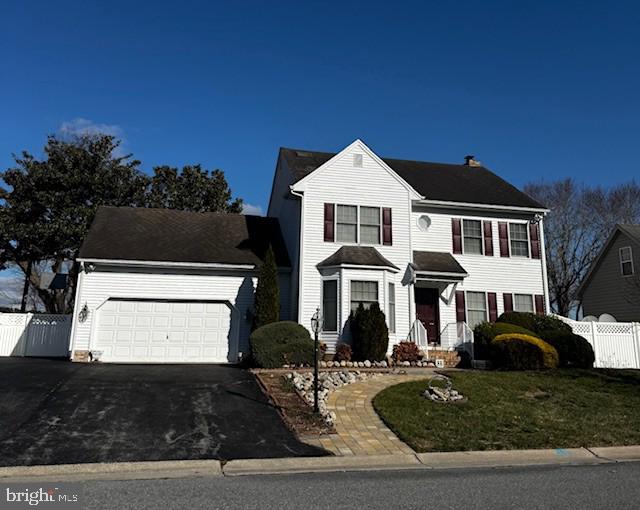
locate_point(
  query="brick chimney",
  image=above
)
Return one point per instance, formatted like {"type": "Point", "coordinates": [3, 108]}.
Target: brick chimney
{"type": "Point", "coordinates": [471, 161]}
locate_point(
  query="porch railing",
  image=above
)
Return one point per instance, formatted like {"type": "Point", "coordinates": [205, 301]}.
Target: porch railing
{"type": "Point", "coordinates": [454, 336]}
{"type": "Point", "coordinates": [418, 335]}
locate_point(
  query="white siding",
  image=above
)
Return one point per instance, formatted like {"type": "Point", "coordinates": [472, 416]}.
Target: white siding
{"type": "Point", "coordinates": [372, 185]}
{"type": "Point", "coordinates": [97, 286]}
{"type": "Point", "coordinates": [516, 275]}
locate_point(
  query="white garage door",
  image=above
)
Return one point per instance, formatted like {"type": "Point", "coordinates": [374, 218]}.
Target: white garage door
{"type": "Point", "coordinates": [163, 331]}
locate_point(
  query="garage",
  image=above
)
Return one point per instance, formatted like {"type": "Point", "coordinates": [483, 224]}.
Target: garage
{"type": "Point", "coordinates": [160, 331]}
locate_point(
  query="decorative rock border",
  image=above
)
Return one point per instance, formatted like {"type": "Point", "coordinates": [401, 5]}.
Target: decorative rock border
{"type": "Point", "coordinates": [327, 382]}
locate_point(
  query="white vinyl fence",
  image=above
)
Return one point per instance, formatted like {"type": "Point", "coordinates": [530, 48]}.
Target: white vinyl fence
{"type": "Point", "coordinates": [28, 334]}
{"type": "Point", "coordinates": [615, 344]}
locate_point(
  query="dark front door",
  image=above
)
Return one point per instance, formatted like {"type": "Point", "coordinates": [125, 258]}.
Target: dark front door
{"type": "Point", "coordinates": [428, 313]}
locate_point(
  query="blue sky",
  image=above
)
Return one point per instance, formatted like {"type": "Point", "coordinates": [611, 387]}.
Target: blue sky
{"type": "Point", "coordinates": [533, 89]}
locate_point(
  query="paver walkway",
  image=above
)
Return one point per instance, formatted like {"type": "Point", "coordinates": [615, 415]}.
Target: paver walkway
{"type": "Point", "coordinates": [359, 429]}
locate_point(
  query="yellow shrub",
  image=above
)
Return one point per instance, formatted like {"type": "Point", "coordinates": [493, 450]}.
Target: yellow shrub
{"type": "Point", "coordinates": [521, 352]}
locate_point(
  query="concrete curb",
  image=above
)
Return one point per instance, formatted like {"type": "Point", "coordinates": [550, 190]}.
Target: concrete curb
{"type": "Point", "coordinates": [291, 465]}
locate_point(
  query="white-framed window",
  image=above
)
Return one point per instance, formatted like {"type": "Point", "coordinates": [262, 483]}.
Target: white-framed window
{"type": "Point", "coordinates": [392, 307]}
{"type": "Point", "coordinates": [476, 308]}
{"type": "Point", "coordinates": [370, 225]}
{"type": "Point", "coordinates": [472, 236]}
{"type": "Point", "coordinates": [519, 239]}
{"type": "Point", "coordinates": [626, 261]}
{"type": "Point", "coordinates": [357, 160]}
{"type": "Point", "coordinates": [330, 305]}
{"type": "Point", "coordinates": [363, 292]}
{"type": "Point", "coordinates": [523, 303]}
{"type": "Point", "coordinates": [347, 224]}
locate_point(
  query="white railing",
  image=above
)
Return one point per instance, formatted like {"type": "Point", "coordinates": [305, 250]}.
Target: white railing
{"type": "Point", "coordinates": [418, 335]}
{"type": "Point", "coordinates": [454, 336]}
{"type": "Point", "coordinates": [27, 334]}
{"type": "Point", "coordinates": [615, 344]}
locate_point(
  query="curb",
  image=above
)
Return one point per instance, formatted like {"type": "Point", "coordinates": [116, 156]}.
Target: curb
{"type": "Point", "coordinates": [291, 465]}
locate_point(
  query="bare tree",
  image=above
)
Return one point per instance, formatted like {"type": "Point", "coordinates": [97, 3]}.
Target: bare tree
{"type": "Point", "coordinates": [580, 221]}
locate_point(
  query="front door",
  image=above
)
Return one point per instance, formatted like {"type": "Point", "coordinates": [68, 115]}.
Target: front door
{"type": "Point", "coordinates": [428, 313]}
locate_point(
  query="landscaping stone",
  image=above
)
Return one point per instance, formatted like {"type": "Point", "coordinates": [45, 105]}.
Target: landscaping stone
{"type": "Point", "coordinates": [442, 395]}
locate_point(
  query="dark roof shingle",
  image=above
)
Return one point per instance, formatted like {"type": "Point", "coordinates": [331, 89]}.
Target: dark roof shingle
{"type": "Point", "coordinates": [435, 181]}
{"type": "Point", "coordinates": [436, 262]}
{"type": "Point", "coordinates": [356, 256]}
{"type": "Point", "coordinates": [165, 235]}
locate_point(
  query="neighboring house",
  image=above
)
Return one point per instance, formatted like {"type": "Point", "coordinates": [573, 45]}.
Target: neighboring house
{"type": "Point", "coordinates": [437, 246]}
{"type": "Point", "coordinates": [612, 285]}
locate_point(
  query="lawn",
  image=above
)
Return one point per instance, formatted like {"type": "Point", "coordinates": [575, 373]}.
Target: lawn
{"type": "Point", "coordinates": [513, 410]}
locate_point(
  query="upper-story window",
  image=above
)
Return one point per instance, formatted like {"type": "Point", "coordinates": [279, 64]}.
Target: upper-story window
{"type": "Point", "coordinates": [626, 261]}
{"type": "Point", "coordinates": [519, 239]}
{"type": "Point", "coordinates": [347, 224]}
{"type": "Point", "coordinates": [370, 225]}
{"type": "Point", "coordinates": [472, 236]}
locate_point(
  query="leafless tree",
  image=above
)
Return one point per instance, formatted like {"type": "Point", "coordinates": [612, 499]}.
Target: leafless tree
{"type": "Point", "coordinates": [580, 221]}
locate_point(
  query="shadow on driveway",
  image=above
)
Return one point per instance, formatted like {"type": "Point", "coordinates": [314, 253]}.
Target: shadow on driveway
{"type": "Point", "coordinates": [56, 412]}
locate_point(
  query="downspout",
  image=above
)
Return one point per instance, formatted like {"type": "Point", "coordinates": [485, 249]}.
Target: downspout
{"type": "Point", "coordinates": [543, 256]}
{"type": "Point", "coordinates": [300, 251]}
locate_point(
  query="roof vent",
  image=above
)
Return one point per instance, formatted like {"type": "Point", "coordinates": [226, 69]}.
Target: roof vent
{"type": "Point", "coordinates": [471, 161]}
{"type": "Point", "coordinates": [357, 160]}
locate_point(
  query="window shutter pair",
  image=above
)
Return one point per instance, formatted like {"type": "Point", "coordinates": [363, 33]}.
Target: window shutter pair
{"type": "Point", "coordinates": [329, 222]}
{"type": "Point", "coordinates": [461, 309]}
{"type": "Point", "coordinates": [534, 237]}
{"type": "Point", "coordinates": [456, 230]}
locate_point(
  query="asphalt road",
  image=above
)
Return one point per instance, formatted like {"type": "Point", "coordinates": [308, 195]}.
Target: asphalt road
{"type": "Point", "coordinates": [615, 486]}
{"type": "Point", "coordinates": [57, 412]}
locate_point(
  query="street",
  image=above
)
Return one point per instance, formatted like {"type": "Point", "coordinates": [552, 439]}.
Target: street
{"type": "Point", "coordinates": [574, 487]}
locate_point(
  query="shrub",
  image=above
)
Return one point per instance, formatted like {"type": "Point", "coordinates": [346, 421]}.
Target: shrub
{"type": "Point", "coordinates": [485, 332]}
{"type": "Point", "coordinates": [343, 352]}
{"type": "Point", "coordinates": [281, 343]}
{"type": "Point", "coordinates": [514, 351]}
{"type": "Point", "coordinates": [369, 332]}
{"type": "Point", "coordinates": [406, 351]}
{"type": "Point", "coordinates": [574, 351]}
{"type": "Point", "coordinates": [541, 325]}
{"type": "Point", "coordinates": [267, 300]}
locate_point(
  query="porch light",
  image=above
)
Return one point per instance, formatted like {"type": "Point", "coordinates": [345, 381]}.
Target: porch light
{"type": "Point", "coordinates": [83, 315]}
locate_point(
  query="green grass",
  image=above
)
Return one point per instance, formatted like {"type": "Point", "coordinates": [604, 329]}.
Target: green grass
{"type": "Point", "coordinates": [514, 410]}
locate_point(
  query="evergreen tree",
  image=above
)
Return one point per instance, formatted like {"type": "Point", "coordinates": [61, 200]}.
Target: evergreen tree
{"type": "Point", "coordinates": [267, 301]}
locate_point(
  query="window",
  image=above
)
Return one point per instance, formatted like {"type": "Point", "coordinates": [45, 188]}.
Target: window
{"type": "Point", "coordinates": [392, 308]}
{"type": "Point", "coordinates": [626, 261]}
{"type": "Point", "coordinates": [330, 305]}
{"type": "Point", "coordinates": [363, 292]}
{"type": "Point", "coordinates": [370, 225]}
{"type": "Point", "coordinates": [523, 303]}
{"type": "Point", "coordinates": [519, 239]}
{"type": "Point", "coordinates": [476, 308]}
{"type": "Point", "coordinates": [357, 160]}
{"type": "Point", "coordinates": [472, 232]}
{"type": "Point", "coordinates": [347, 224]}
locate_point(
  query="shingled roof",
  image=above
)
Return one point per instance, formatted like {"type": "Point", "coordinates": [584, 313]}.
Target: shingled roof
{"type": "Point", "coordinates": [356, 256]}
{"type": "Point", "coordinates": [435, 181]}
{"type": "Point", "coordinates": [165, 235]}
{"type": "Point", "coordinates": [437, 262]}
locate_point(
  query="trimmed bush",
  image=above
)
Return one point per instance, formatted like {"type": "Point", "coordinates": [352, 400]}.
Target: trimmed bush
{"type": "Point", "coordinates": [267, 301]}
{"type": "Point", "coordinates": [369, 332]}
{"type": "Point", "coordinates": [406, 351]}
{"type": "Point", "coordinates": [513, 351]}
{"type": "Point", "coordinates": [541, 325]}
{"type": "Point", "coordinates": [574, 350]}
{"type": "Point", "coordinates": [485, 332]}
{"type": "Point", "coordinates": [281, 343]}
{"type": "Point", "coordinates": [343, 353]}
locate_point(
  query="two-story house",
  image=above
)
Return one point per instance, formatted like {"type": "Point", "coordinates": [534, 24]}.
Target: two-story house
{"type": "Point", "coordinates": [440, 248]}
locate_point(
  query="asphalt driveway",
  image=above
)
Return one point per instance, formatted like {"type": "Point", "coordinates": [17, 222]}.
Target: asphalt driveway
{"type": "Point", "coordinates": [57, 412]}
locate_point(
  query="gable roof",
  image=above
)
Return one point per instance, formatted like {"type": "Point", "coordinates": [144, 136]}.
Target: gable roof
{"type": "Point", "coordinates": [356, 256]}
{"type": "Point", "coordinates": [165, 235]}
{"type": "Point", "coordinates": [437, 262]}
{"type": "Point", "coordinates": [435, 181]}
{"type": "Point", "coordinates": [630, 230]}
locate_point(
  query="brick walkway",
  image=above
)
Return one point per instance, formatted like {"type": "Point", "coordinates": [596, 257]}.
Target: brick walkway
{"type": "Point", "coordinates": [359, 430]}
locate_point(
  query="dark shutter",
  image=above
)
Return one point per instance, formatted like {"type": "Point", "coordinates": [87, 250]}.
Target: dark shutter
{"type": "Point", "coordinates": [508, 302]}
{"type": "Point", "coordinates": [540, 304]}
{"type": "Point", "coordinates": [456, 230]}
{"type": "Point", "coordinates": [328, 222]}
{"type": "Point", "coordinates": [493, 306]}
{"type": "Point", "coordinates": [488, 238]}
{"type": "Point", "coordinates": [387, 236]}
{"type": "Point", "coordinates": [534, 236]}
{"type": "Point", "coordinates": [503, 233]}
{"type": "Point", "coordinates": [461, 314]}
